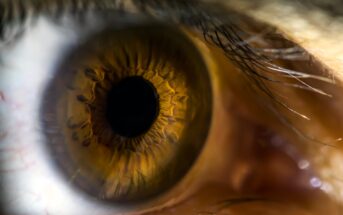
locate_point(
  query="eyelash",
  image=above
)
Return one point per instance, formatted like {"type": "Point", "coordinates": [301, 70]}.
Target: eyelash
{"type": "Point", "coordinates": [225, 32]}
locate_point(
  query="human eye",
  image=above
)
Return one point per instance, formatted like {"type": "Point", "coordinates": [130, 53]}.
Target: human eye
{"type": "Point", "coordinates": [163, 107]}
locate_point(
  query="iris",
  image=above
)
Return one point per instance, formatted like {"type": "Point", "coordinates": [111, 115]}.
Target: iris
{"type": "Point", "coordinates": [133, 108]}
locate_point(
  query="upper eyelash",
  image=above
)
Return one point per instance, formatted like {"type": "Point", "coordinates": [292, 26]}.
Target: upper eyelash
{"type": "Point", "coordinates": [237, 49]}
{"type": "Point", "coordinates": [226, 36]}
{"type": "Point", "coordinates": [17, 15]}
{"type": "Point", "coordinates": [224, 31]}
{"type": "Point", "coordinates": [216, 27]}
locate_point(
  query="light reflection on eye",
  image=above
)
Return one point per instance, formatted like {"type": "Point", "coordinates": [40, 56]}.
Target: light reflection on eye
{"type": "Point", "coordinates": [24, 80]}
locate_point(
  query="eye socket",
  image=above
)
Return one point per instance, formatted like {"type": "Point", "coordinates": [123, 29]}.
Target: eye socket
{"type": "Point", "coordinates": [129, 110]}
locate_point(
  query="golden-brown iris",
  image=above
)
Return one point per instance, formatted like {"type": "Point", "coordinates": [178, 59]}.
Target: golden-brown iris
{"type": "Point", "coordinates": [133, 108]}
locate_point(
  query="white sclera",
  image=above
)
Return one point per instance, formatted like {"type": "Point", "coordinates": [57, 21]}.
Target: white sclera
{"type": "Point", "coordinates": [31, 184]}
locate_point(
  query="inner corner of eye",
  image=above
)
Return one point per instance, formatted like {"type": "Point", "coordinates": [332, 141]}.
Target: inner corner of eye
{"type": "Point", "coordinates": [127, 112]}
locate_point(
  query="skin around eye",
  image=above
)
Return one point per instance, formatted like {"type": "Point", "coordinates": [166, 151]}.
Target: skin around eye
{"type": "Point", "coordinates": [232, 96]}
{"type": "Point", "coordinates": [314, 29]}
{"type": "Point", "coordinates": [36, 170]}
{"type": "Point", "coordinates": [318, 32]}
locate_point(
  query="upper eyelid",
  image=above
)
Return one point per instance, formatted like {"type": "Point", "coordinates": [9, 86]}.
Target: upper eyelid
{"type": "Point", "coordinates": [221, 28]}
{"type": "Point", "coordinates": [315, 27]}
{"type": "Point", "coordinates": [16, 14]}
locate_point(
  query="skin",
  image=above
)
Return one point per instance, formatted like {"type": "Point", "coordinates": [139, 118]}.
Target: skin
{"type": "Point", "coordinates": [317, 31]}
{"type": "Point", "coordinates": [238, 168]}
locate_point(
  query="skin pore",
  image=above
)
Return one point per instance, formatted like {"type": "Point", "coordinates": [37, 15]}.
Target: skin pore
{"type": "Point", "coordinates": [240, 178]}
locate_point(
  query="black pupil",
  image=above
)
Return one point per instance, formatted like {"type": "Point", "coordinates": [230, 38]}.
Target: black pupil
{"type": "Point", "coordinates": [133, 106]}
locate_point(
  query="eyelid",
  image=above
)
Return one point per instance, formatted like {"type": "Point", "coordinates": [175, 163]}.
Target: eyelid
{"type": "Point", "coordinates": [16, 16]}
{"type": "Point", "coordinates": [314, 29]}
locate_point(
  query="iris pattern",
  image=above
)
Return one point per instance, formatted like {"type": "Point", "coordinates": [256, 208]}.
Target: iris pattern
{"type": "Point", "coordinates": [132, 116]}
